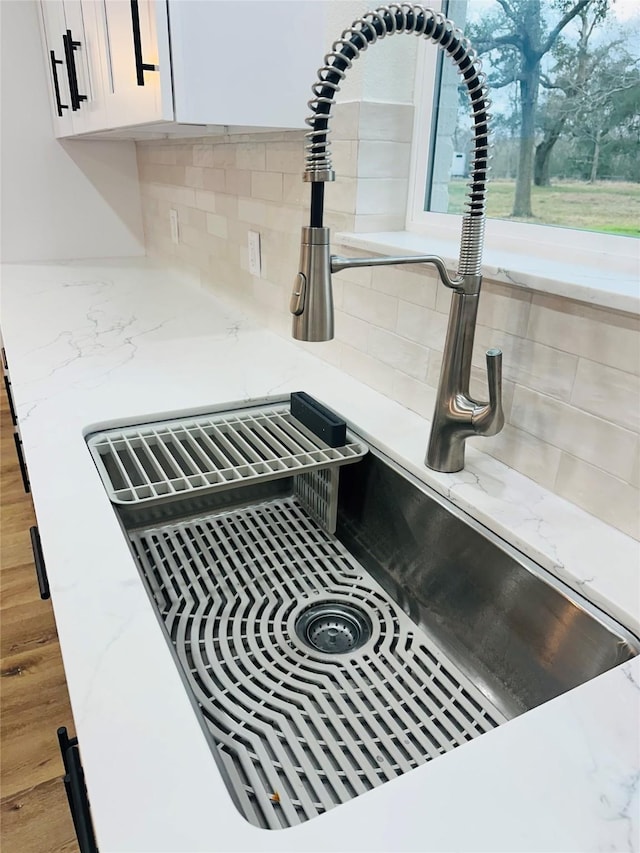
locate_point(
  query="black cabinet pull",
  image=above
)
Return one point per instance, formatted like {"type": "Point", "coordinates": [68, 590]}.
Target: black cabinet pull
{"type": "Point", "coordinates": [69, 47]}
{"type": "Point", "coordinates": [4, 360]}
{"type": "Point", "coordinates": [76, 790]}
{"type": "Point", "coordinates": [12, 409]}
{"type": "Point", "coordinates": [56, 88]}
{"type": "Point", "coordinates": [22, 463]}
{"type": "Point", "coordinates": [141, 66]}
{"type": "Point", "coordinates": [38, 560]}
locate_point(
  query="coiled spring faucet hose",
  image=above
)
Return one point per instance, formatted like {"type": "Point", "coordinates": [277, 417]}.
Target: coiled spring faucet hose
{"type": "Point", "coordinates": [384, 21]}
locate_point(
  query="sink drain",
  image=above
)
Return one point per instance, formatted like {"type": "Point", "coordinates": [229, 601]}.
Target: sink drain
{"type": "Point", "coordinates": [333, 627]}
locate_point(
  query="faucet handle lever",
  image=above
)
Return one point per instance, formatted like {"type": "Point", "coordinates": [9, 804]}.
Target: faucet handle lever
{"type": "Point", "coordinates": [489, 419]}
{"type": "Point", "coordinates": [494, 376]}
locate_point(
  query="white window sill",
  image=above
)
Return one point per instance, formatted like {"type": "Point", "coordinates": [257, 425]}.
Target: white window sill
{"type": "Point", "coordinates": [586, 282]}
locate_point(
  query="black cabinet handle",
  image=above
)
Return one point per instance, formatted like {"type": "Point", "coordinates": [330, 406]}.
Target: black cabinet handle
{"type": "Point", "coordinates": [69, 47]}
{"type": "Point", "coordinates": [12, 409]}
{"type": "Point", "coordinates": [4, 359]}
{"type": "Point", "coordinates": [38, 560]}
{"type": "Point", "coordinates": [141, 66]}
{"type": "Point", "coordinates": [56, 87]}
{"type": "Point", "coordinates": [76, 790]}
{"type": "Point", "coordinates": [22, 463]}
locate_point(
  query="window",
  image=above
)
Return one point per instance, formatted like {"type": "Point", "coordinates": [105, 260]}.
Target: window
{"type": "Point", "coordinates": [579, 168]}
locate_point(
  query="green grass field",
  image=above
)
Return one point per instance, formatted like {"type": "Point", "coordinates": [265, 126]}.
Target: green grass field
{"type": "Point", "coordinates": [608, 206]}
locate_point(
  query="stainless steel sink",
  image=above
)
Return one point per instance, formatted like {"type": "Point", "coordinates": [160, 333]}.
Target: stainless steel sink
{"type": "Point", "coordinates": [521, 634]}
{"type": "Point", "coordinates": [322, 664]}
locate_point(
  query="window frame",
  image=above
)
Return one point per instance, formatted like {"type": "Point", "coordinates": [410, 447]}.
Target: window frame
{"type": "Point", "coordinates": [617, 253]}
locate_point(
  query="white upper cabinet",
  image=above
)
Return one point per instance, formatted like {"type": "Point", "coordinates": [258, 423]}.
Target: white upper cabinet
{"type": "Point", "coordinates": [142, 65]}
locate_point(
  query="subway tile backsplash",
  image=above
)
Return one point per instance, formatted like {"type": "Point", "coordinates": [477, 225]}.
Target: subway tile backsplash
{"type": "Point", "coordinates": [572, 371]}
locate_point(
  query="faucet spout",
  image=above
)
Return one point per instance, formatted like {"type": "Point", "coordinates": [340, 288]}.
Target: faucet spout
{"type": "Point", "coordinates": [457, 415]}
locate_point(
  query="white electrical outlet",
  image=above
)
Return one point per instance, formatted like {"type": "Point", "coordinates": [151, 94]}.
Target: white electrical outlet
{"type": "Point", "coordinates": [173, 225]}
{"type": "Point", "coordinates": [254, 253]}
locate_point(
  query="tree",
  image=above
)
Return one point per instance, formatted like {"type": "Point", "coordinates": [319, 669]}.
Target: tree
{"type": "Point", "coordinates": [607, 107]}
{"type": "Point", "coordinates": [574, 65]}
{"type": "Point", "coordinates": [523, 39]}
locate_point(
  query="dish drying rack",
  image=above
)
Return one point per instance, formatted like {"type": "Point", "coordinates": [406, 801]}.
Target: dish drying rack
{"type": "Point", "coordinates": [213, 452]}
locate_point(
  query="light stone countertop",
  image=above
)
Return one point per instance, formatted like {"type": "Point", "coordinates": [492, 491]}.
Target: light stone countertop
{"type": "Point", "coordinates": [111, 342]}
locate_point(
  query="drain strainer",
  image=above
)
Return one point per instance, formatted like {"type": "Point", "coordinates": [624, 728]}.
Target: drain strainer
{"type": "Point", "coordinates": [333, 627]}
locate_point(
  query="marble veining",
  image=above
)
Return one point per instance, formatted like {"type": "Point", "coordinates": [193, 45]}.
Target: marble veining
{"type": "Point", "coordinates": [93, 343]}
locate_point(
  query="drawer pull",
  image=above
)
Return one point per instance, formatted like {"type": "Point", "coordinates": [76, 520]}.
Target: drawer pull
{"type": "Point", "coordinates": [12, 409]}
{"type": "Point", "coordinates": [76, 790]}
{"type": "Point", "coordinates": [38, 559]}
{"type": "Point", "coordinates": [141, 66]}
{"type": "Point", "coordinates": [22, 463]}
{"type": "Point", "coordinates": [56, 86]}
{"type": "Point", "coordinates": [69, 50]}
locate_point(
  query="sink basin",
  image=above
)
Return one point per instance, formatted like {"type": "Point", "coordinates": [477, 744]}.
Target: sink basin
{"type": "Point", "coordinates": [336, 623]}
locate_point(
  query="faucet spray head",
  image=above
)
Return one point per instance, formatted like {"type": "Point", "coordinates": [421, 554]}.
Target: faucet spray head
{"type": "Point", "coordinates": [312, 298]}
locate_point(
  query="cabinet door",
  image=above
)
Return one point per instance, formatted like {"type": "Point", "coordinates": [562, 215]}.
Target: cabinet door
{"type": "Point", "coordinates": [53, 27]}
{"type": "Point", "coordinates": [84, 66]}
{"type": "Point", "coordinates": [138, 62]}
{"type": "Point", "coordinates": [246, 63]}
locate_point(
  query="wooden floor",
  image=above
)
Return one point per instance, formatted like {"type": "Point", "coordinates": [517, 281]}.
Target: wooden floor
{"type": "Point", "coordinates": [34, 814]}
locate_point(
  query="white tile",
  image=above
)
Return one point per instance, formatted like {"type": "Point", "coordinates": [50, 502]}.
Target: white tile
{"type": "Point", "coordinates": [608, 337]}
{"type": "Point", "coordinates": [203, 155]}
{"type": "Point", "coordinates": [381, 195]}
{"type": "Point", "coordinates": [344, 120]}
{"type": "Point", "coordinates": [505, 308]}
{"type": "Point", "coordinates": [205, 200]}
{"type": "Point", "coordinates": [357, 275]}
{"type": "Point", "coordinates": [423, 325]}
{"type": "Point", "coordinates": [217, 225]}
{"type": "Point", "coordinates": [376, 308]}
{"type": "Point", "coordinates": [592, 439]}
{"type": "Point", "coordinates": [237, 182]}
{"type": "Point", "coordinates": [294, 190]}
{"type": "Point", "coordinates": [404, 355]}
{"type": "Point", "coordinates": [285, 218]}
{"type": "Point", "coordinates": [418, 288]}
{"type": "Point", "coordinates": [606, 497]}
{"type": "Point", "coordinates": [344, 154]}
{"type": "Point", "coordinates": [368, 370]}
{"type": "Point", "coordinates": [223, 157]}
{"type": "Point", "coordinates": [252, 211]}
{"type": "Point", "coordinates": [251, 156]}
{"type": "Point", "coordinates": [524, 452]}
{"type": "Point", "coordinates": [413, 394]}
{"type": "Point", "coordinates": [337, 221]}
{"type": "Point", "coordinates": [607, 392]}
{"type": "Point", "coordinates": [214, 180]}
{"type": "Point", "coordinates": [284, 157]}
{"type": "Point", "coordinates": [381, 159]}
{"type": "Point", "coordinates": [341, 196]}
{"type": "Point", "coordinates": [527, 363]}
{"type": "Point", "coordinates": [369, 223]}
{"type": "Point", "coordinates": [384, 121]}
{"type": "Point", "coordinates": [226, 205]}
{"type": "Point", "coordinates": [194, 176]}
{"type": "Point", "coordinates": [267, 185]}
{"type": "Point", "coordinates": [634, 475]}
{"type": "Point", "coordinates": [351, 330]}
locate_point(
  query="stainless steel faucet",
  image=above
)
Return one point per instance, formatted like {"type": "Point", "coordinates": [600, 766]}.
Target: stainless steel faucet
{"type": "Point", "coordinates": [457, 416]}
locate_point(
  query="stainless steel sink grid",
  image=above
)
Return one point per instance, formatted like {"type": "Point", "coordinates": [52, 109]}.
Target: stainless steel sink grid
{"type": "Point", "coordinates": [322, 665]}
{"type": "Point", "coordinates": [298, 729]}
{"type": "Point", "coordinates": [212, 453]}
